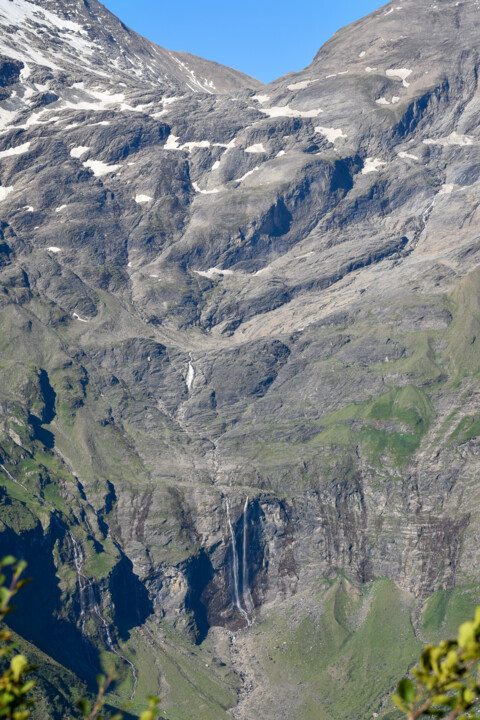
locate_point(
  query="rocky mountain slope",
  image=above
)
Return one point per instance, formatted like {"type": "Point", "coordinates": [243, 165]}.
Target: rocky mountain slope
{"type": "Point", "coordinates": [239, 369]}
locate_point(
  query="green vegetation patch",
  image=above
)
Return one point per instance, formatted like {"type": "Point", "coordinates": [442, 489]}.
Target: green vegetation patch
{"type": "Point", "coordinates": [467, 428]}
{"type": "Point", "coordinates": [463, 351]}
{"type": "Point", "coordinates": [445, 610]}
{"type": "Point", "coordinates": [346, 659]}
{"type": "Point", "coordinates": [393, 424]}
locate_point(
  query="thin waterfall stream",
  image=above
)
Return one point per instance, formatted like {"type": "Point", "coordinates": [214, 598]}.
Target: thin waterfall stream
{"type": "Point", "coordinates": [85, 590]}
{"type": "Point", "coordinates": [247, 609]}
{"type": "Point", "coordinates": [85, 587]}
{"type": "Point", "coordinates": [246, 594]}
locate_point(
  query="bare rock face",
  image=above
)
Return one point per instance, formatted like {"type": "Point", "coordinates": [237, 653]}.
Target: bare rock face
{"type": "Point", "coordinates": [239, 332]}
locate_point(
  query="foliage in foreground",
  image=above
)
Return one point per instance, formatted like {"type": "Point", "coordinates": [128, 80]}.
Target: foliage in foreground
{"type": "Point", "coordinates": [15, 688]}
{"type": "Point", "coordinates": [15, 685]}
{"type": "Point", "coordinates": [446, 681]}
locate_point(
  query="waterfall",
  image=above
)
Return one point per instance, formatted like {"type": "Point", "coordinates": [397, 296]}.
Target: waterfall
{"type": "Point", "coordinates": [9, 475]}
{"type": "Point", "coordinates": [86, 590]}
{"type": "Point", "coordinates": [79, 561]}
{"type": "Point", "coordinates": [85, 587]}
{"type": "Point", "coordinates": [247, 597]}
{"type": "Point", "coordinates": [247, 608]}
{"type": "Point", "coordinates": [17, 482]}
{"type": "Point", "coordinates": [236, 596]}
{"type": "Point", "coordinates": [113, 649]}
{"type": "Point", "coordinates": [190, 374]}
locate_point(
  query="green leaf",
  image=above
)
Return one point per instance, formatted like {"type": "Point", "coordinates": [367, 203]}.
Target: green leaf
{"type": "Point", "coordinates": [21, 715]}
{"type": "Point", "coordinates": [442, 700]}
{"type": "Point", "coordinates": [406, 690]}
{"type": "Point", "coordinates": [20, 567]}
{"type": "Point", "coordinates": [27, 687]}
{"type": "Point", "coordinates": [8, 560]}
{"type": "Point", "coordinates": [454, 685]}
{"type": "Point", "coordinates": [399, 703]}
{"type": "Point", "coordinates": [84, 706]}
{"type": "Point", "coordinates": [22, 583]}
{"type": "Point", "coordinates": [18, 665]}
{"type": "Point", "coordinates": [466, 634]}
{"type": "Point", "coordinates": [4, 596]}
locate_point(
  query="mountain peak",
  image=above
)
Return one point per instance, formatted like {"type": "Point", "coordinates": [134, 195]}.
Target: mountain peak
{"type": "Point", "coordinates": [52, 35]}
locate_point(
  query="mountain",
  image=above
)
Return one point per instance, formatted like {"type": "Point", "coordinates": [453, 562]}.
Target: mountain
{"type": "Point", "coordinates": [239, 373]}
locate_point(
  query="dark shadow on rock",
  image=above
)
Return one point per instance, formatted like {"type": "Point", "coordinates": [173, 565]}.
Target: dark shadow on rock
{"type": "Point", "coordinates": [46, 437]}
{"type": "Point", "coordinates": [40, 613]}
{"type": "Point", "coordinates": [130, 597]}
{"type": "Point", "coordinates": [200, 573]}
{"type": "Point", "coordinates": [49, 397]}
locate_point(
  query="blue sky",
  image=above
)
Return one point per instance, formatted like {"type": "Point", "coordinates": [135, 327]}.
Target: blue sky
{"type": "Point", "coordinates": [263, 38]}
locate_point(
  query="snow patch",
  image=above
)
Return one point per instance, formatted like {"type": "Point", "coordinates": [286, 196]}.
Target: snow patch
{"type": "Point", "coordinates": [28, 208]}
{"type": "Point", "coordinates": [286, 111]}
{"type": "Point", "coordinates": [300, 85]}
{"type": "Point", "coordinates": [257, 148]}
{"type": "Point", "coordinates": [382, 101]}
{"type": "Point", "coordinates": [172, 143]}
{"type": "Point", "coordinates": [6, 117]}
{"type": "Point", "coordinates": [25, 72]}
{"type": "Point", "coordinates": [372, 165]}
{"type": "Point", "coordinates": [100, 168]}
{"type": "Point", "coordinates": [19, 150]}
{"type": "Point", "coordinates": [196, 144]}
{"type": "Point", "coordinates": [26, 13]}
{"type": "Point", "coordinates": [332, 134]}
{"type": "Point", "coordinates": [280, 154]}
{"type": "Point", "coordinates": [406, 155]}
{"type": "Point", "coordinates": [4, 191]}
{"type": "Point", "coordinates": [143, 198]}
{"type": "Point", "coordinates": [204, 192]}
{"type": "Point", "coordinates": [213, 271]}
{"type": "Point", "coordinates": [216, 164]}
{"type": "Point", "coordinates": [190, 375]}
{"type": "Point", "coordinates": [362, 54]}
{"type": "Point", "coordinates": [399, 74]}
{"type": "Point", "coordinates": [261, 98]}
{"type": "Point", "coordinates": [77, 317]}
{"type": "Point", "coordinates": [77, 152]}
{"type": "Point", "coordinates": [452, 139]}
{"type": "Point", "coordinates": [54, 249]}
{"type": "Point", "coordinates": [446, 189]}
{"type": "Point", "coordinates": [248, 173]}
{"type": "Point", "coordinates": [60, 208]}
{"type": "Point", "coordinates": [227, 146]}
